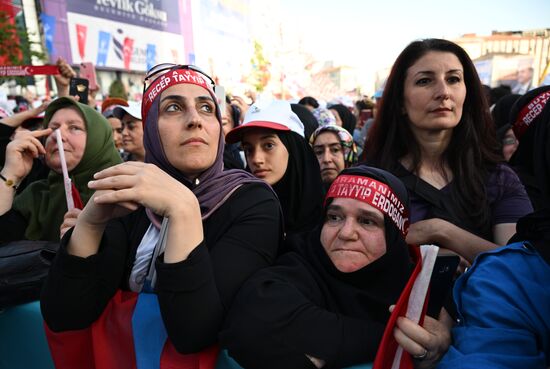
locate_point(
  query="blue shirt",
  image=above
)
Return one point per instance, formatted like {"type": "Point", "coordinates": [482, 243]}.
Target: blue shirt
{"type": "Point", "coordinates": [503, 306]}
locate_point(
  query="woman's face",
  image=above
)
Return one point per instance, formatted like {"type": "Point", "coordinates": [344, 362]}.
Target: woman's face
{"type": "Point", "coordinates": [353, 235]}
{"type": "Point", "coordinates": [227, 120]}
{"type": "Point", "coordinates": [188, 128]}
{"type": "Point", "coordinates": [337, 116]}
{"type": "Point", "coordinates": [73, 133]}
{"type": "Point", "coordinates": [266, 155]}
{"type": "Point", "coordinates": [434, 92]}
{"type": "Point", "coordinates": [330, 154]}
{"type": "Point", "coordinates": [132, 135]}
{"type": "Point", "coordinates": [116, 126]}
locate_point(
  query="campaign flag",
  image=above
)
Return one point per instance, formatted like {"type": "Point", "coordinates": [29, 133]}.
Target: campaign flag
{"type": "Point", "coordinates": [27, 70]}
{"type": "Point", "coordinates": [127, 51]}
{"type": "Point", "coordinates": [412, 303]}
{"type": "Point", "coordinates": [129, 334]}
{"type": "Point", "coordinates": [48, 24]}
{"type": "Point", "coordinates": [104, 39]}
{"type": "Point", "coordinates": [151, 56]}
{"type": "Point", "coordinates": [81, 31]}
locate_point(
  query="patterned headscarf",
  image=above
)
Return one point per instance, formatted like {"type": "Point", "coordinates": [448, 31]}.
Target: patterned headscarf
{"type": "Point", "coordinates": [324, 116]}
{"type": "Point", "coordinates": [346, 140]}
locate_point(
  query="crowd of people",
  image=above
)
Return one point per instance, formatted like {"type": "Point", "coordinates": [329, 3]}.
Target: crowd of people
{"type": "Point", "coordinates": [286, 235]}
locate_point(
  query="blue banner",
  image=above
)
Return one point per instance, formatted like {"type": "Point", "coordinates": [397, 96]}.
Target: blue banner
{"type": "Point", "coordinates": [151, 56]}
{"type": "Point", "coordinates": [48, 24]}
{"type": "Point", "coordinates": [103, 48]}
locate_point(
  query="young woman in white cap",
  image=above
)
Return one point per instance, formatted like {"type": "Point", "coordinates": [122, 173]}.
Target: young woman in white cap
{"type": "Point", "coordinates": [272, 137]}
{"type": "Point", "coordinates": [132, 130]}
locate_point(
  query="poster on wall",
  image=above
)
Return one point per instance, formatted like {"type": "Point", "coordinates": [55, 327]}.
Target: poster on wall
{"type": "Point", "coordinates": [130, 35]}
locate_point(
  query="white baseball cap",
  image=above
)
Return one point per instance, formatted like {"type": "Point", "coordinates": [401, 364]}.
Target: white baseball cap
{"type": "Point", "coordinates": [133, 109]}
{"type": "Point", "coordinates": [274, 114]}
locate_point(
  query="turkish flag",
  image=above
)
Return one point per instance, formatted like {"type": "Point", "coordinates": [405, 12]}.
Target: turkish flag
{"type": "Point", "coordinates": [127, 51]}
{"type": "Point", "coordinates": [124, 337]}
{"type": "Point", "coordinates": [81, 31]}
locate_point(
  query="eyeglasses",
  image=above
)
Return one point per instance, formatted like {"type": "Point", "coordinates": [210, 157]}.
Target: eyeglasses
{"type": "Point", "coordinates": [161, 69]}
{"type": "Point", "coordinates": [509, 141]}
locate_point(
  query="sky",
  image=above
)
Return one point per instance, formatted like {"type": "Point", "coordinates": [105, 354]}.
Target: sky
{"type": "Point", "coordinates": [370, 34]}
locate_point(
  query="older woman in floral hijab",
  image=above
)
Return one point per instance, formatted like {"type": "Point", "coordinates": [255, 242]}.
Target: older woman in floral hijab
{"type": "Point", "coordinates": [335, 150]}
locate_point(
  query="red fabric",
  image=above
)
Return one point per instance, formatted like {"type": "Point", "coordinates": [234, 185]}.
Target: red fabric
{"type": "Point", "coordinates": [76, 197]}
{"type": "Point", "coordinates": [81, 32]}
{"type": "Point", "coordinates": [27, 70]}
{"type": "Point", "coordinates": [171, 359]}
{"type": "Point", "coordinates": [374, 193]}
{"type": "Point", "coordinates": [108, 343]}
{"type": "Point", "coordinates": [529, 113]}
{"type": "Point", "coordinates": [388, 345]}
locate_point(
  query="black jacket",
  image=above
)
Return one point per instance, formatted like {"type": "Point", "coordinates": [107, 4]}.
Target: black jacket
{"type": "Point", "coordinates": [242, 236]}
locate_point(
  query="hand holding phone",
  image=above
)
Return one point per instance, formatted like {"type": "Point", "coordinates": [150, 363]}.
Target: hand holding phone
{"type": "Point", "coordinates": [79, 87]}
{"type": "Point", "coordinates": [87, 71]}
{"type": "Point", "coordinates": [441, 282]}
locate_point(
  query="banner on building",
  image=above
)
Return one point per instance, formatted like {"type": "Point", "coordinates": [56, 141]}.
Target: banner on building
{"type": "Point", "coordinates": [130, 34]}
{"type": "Point", "coordinates": [48, 25]}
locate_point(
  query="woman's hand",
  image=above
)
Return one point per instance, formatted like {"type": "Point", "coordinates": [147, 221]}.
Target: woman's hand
{"type": "Point", "coordinates": [143, 184]}
{"type": "Point", "coordinates": [66, 72]}
{"type": "Point", "coordinates": [21, 151]}
{"type": "Point", "coordinates": [241, 104]}
{"type": "Point", "coordinates": [425, 231]}
{"type": "Point", "coordinates": [427, 343]}
{"type": "Point", "coordinates": [449, 236]}
{"type": "Point", "coordinates": [69, 221]}
{"type": "Point", "coordinates": [17, 119]}
{"type": "Point", "coordinates": [134, 183]}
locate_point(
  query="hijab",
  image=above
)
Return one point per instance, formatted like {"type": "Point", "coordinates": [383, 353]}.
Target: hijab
{"type": "Point", "coordinates": [365, 294]}
{"type": "Point", "coordinates": [300, 189]}
{"type": "Point", "coordinates": [530, 117]}
{"type": "Point", "coordinates": [372, 289]}
{"type": "Point", "coordinates": [535, 228]}
{"type": "Point", "coordinates": [213, 186]}
{"type": "Point", "coordinates": [501, 114]}
{"type": "Point", "coordinates": [308, 119]}
{"type": "Point", "coordinates": [345, 138]}
{"type": "Point", "coordinates": [347, 117]}
{"type": "Point", "coordinates": [43, 202]}
{"type": "Point", "coordinates": [324, 116]}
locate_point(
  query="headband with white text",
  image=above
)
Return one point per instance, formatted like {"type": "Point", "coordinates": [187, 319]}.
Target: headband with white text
{"type": "Point", "coordinates": [169, 79]}
{"type": "Point", "coordinates": [374, 193]}
{"type": "Point", "coordinates": [529, 112]}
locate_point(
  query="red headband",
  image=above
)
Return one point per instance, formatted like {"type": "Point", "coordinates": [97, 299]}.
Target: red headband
{"type": "Point", "coordinates": [169, 79]}
{"type": "Point", "coordinates": [374, 193]}
{"type": "Point", "coordinates": [529, 112]}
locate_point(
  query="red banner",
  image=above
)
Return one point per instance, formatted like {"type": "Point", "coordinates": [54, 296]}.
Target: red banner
{"type": "Point", "coordinates": [81, 31]}
{"type": "Point", "coordinates": [127, 51]}
{"type": "Point", "coordinates": [27, 70]}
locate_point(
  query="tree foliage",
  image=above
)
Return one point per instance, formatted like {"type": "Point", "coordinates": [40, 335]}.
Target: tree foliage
{"type": "Point", "coordinates": [16, 46]}
{"type": "Point", "coordinates": [261, 68]}
{"type": "Point", "coordinates": [117, 89]}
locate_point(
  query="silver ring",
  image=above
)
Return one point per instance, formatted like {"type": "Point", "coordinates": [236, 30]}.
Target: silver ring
{"type": "Point", "coordinates": [422, 356]}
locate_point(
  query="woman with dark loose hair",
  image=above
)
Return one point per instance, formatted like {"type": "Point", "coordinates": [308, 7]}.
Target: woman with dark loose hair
{"type": "Point", "coordinates": [434, 131]}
